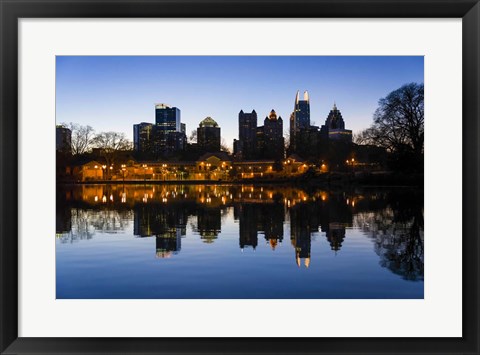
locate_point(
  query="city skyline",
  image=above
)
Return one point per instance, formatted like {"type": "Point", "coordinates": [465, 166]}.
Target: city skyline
{"type": "Point", "coordinates": [113, 93]}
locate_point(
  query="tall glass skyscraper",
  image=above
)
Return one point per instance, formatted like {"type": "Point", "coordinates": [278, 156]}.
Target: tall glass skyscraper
{"type": "Point", "coordinates": [300, 119]}
{"type": "Point", "coordinates": [142, 137]}
{"type": "Point", "coordinates": [167, 120]}
{"type": "Point", "coordinates": [247, 133]}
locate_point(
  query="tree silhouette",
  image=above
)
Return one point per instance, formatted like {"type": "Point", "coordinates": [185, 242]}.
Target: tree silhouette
{"type": "Point", "coordinates": [110, 144]}
{"type": "Point", "coordinates": [82, 137]}
{"type": "Point", "coordinates": [399, 126]}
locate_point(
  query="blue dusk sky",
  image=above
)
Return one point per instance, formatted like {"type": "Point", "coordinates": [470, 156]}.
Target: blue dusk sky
{"type": "Point", "coordinates": [111, 93]}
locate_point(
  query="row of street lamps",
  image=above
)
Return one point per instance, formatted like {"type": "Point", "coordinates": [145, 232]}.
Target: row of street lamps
{"type": "Point", "coordinates": [208, 166]}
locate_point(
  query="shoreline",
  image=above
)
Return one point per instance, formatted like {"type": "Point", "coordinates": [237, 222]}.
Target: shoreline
{"type": "Point", "coordinates": [383, 181]}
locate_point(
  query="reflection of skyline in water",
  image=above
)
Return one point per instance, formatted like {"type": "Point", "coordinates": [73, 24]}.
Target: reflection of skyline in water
{"type": "Point", "coordinates": [394, 222]}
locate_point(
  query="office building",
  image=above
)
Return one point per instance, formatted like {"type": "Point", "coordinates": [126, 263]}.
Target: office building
{"type": "Point", "coordinates": [247, 134]}
{"type": "Point", "coordinates": [143, 137]}
{"type": "Point", "coordinates": [299, 121]}
{"type": "Point", "coordinates": [208, 135]}
{"type": "Point", "coordinates": [63, 140]}
{"type": "Point", "coordinates": [334, 127]}
{"type": "Point", "coordinates": [167, 120]}
{"type": "Point", "coordinates": [274, 144]}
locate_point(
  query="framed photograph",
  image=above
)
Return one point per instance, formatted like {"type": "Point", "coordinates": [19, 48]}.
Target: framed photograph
{"type": "Point", "coordinates": [225, 177]}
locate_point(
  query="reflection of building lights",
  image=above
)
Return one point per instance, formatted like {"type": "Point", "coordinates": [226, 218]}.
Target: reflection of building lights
{"type": "Point", "coordinates": [124, 197]}
{"type": "Point", "coordinates": [96, 198]}
{"type": "Point", "coordinates": [353, 203]}
{"type": "Point", "coordinates": [104, 199]}
{"type": "Point", "coordinates": [111, 197]}
{"type": "Point", "coordinates": [348, 201]}
{"type": "Point", "coordinates": [288, 203]}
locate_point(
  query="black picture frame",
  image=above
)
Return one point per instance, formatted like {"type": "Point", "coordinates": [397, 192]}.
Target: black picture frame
{"type": "Point", "coordinates": [11, 11]}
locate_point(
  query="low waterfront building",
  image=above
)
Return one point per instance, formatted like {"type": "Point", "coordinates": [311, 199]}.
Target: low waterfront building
{"type": "Point", "coordinates": [214, 166]}
{"type": "Point", "coordinates": [90, 171]}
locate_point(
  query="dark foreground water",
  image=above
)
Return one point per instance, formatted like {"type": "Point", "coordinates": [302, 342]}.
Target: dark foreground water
{"type": "Point", "coordinates": [219, 241]}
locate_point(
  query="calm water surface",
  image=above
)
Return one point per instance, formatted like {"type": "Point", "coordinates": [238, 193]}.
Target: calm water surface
{"type": "Point", "coordinates": [220, 241]}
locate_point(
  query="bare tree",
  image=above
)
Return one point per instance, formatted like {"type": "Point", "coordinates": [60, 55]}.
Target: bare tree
{"type": "Point", "coordinates": [110, 144]}
{"type": "Point", "coordinates": [193, 137]}
{"type": "Point", "coordinates": [82, 137]}
{"type": "Point", "coordinates": [286, 141]}
{"type": "Point", "coordinates": [398, 121]}
{"type": "Point", "coordinates": [224, 147]}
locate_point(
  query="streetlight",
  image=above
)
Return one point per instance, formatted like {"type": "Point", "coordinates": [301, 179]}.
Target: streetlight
{"type": "Point", "coordinates": [123, 172]}
{"type": "Point", "coordinates": [351, 162]}
{"type": "Point", "coordinates": [104, 167]}
{"type": "Point", "coordinates": [208, 171]}
{"type": "Point", "coordinates": [145, 167]}
{"type": "Point", "coordinates": [164, 167]}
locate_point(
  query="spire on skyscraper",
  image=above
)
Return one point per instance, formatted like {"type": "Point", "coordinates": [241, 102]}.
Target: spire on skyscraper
{"type": "Point", "coordinates": [297, 98]}
{"type": "Point", "coordinates": [305, 96]}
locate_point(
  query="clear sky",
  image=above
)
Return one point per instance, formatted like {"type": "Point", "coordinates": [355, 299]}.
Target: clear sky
{"type": "Point", "coordinates": [111, 93]}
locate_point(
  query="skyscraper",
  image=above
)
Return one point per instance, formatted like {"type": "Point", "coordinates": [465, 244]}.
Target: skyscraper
{"type": "Point", "coordinates": [273, 137]}
{"type": "Point", "coordinates": [63, 140]}
{"type": "Point", "coordinates": [142, 137]}
{"type": "Point", "coordinates": [334, 127]}
{"type": "Point", "coordinates": [300, 120]}
{"type": "Point", "coordinates": [167, 120]}
{"type": "Point", "coordinates": [208, 135]}
{"type": "Point", "coordinates": [165, 137]}
{"type": "Point", "coordinates": [247, 134]}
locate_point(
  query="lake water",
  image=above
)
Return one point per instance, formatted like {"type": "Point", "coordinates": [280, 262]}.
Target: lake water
{"type": "Point", "coordinates": [242, 242]}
